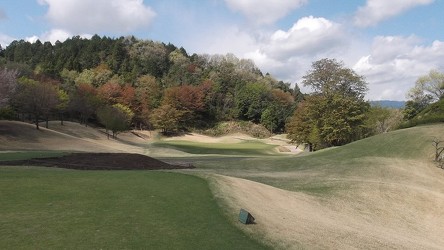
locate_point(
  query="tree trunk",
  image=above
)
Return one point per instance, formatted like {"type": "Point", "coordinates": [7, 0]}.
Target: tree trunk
{"type": "Point", "coordinates": [37, 122]}
{"type": "Point", "coordinates": [61, 119]}
{"type": "Point", "coordinates": [47, 122]}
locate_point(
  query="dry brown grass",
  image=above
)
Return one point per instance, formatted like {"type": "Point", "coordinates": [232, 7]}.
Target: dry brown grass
{"type": "Point", "coordinates": [374, 215]}
{"type": "Point", "coordinates": [392, 203]}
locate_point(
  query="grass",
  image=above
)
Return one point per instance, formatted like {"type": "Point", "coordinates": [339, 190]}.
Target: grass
{"type": "Point", "coordinates": [46, 208]}
{"type": "Point", "coordinates": [333, 170]}
{"type": "Point", "coordinates": [250, 148]}
{"type": "Point", "coordinates": [24, 155]}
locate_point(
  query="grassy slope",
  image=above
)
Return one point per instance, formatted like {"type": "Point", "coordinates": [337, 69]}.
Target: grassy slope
{"type": "Point", "coordinates": [249, 148]}
{"type": "Point", "coordinates": [387, 156]}
{"type": "Point", "coordinates": [54, 209]}
{"type": "Point", "coordinates": [381, 192]}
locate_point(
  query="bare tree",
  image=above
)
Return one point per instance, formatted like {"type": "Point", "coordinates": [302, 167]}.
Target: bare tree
{"type": "Point", "coordinates": [8, 84]}
{"type": "Point", "coordinates": [439, 149]}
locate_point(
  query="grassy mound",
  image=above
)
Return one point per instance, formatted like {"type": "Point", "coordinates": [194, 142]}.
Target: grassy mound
{"type": "Point", "coordinates": [380, 192]}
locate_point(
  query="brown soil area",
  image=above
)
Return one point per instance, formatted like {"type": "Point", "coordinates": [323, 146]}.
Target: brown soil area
{"type": "Point", "coordinates": [99, 161]}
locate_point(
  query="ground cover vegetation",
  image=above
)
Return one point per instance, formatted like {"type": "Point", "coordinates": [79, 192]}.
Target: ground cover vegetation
{"type": "Point", "coordinates": [57, 208]}
{"type": "Point", "coordinates": [384, 190]}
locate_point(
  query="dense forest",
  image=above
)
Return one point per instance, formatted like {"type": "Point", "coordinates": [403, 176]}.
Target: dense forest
{"type": "Point", "coordinates": [154, 79]}
{"type": "Point", "coordinates": [127, 82]}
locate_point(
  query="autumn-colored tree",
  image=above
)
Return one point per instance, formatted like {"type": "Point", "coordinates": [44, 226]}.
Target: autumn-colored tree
{"type": "Point", "coordinates": [110, 92]}
{"type": "Point", "coordinates": [301, 128]}
{"type": "Point", "coordinates": [148, 94]}
{"type": "Point", "coordinates": [128, 96]}
{"type": "Point", "coordinates": [84, 102]}
{"type": "Point", "coordinates": [166, 117]}
{"type": "Point", "coordinates": [190, 100]}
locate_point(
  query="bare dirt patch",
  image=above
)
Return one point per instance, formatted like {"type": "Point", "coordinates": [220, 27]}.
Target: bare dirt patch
{"type": "Point", "coordinates": [99, 161]}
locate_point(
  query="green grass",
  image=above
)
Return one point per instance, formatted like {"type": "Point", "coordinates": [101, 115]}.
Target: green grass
{"type": "Point", "coordinates": [43, 208]}
{"type": "Point", "coordinates": [24, 155]}
{"type": "Point", "coordinates": [250, 148]}
{"type": "Point", "coordinates": [333, 170]}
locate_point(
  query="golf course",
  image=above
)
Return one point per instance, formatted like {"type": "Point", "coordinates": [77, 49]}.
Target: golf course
{"type": "Point", "coordinates": [382, 192]}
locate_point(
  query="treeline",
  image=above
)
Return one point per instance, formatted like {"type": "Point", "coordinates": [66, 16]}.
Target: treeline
{"type": "Point", "coordinates": [126, 82]}
{"type": "Point", "coordinates": [145, 84]}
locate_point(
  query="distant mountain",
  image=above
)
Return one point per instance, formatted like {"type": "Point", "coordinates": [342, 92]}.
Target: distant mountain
{"type": "Point", "coordinates": [388, 104]}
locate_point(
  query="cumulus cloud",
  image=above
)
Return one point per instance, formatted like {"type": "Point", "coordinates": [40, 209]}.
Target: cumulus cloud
{"type": "Point", "coordinates": [394, 64]}
{"type": "Point", "coordinates": [5, 40]}
{"type": "Point", "coordinates": [264, 11]}
{"type": "Point", "coordinates": [308, 36]}
{"type": "Point", "coordinates": [376, 11]}
{"type": "Point", "coordinates": [94, 16]}
{"type": "Point", "coordinates": [53, 36]}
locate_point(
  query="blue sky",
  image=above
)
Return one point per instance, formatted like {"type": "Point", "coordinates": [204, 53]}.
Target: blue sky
{"type": "Point", "coordinates": [391, 43]}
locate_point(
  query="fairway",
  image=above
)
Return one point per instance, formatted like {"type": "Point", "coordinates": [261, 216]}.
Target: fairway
{"type": "Point", "coordinates": [381, 192]}
{"type": "Point", "coordinates": [244, 148]}
{"type": "Point", "coordinates": [57, 209]}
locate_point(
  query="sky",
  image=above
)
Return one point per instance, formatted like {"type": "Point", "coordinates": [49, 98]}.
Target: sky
{"type": "Point", "coordinates": [389, 42]}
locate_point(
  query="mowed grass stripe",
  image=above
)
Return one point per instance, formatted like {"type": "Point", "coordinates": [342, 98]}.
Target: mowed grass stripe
{"type": "Point", "coordinates": [243, 148]}
{"type": "Point", "coordinates": [45, 208]}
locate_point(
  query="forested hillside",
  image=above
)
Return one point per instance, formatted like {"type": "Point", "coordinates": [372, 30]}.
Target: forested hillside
{"type": "Point", "coordinates": [149, 84]}
{"type": "Point", "coordinates": [126, 82]}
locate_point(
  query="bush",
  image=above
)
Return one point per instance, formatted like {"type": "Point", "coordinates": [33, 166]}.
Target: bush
{"type": "Point", "coordinates": [7, 113]}
{"type": "Point", "coordinates": [250, 128]}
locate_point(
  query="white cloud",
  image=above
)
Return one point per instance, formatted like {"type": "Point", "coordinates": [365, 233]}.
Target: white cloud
{"type": "Point", "coordinates": [309, 36]}
{"type": "Point", "coordinates": [376, 11]}
{"type": "Point", "coordinates": [264, 11]}
{"type": "Point", "coordinates": [53, 36]}
{"type": "Point", "coordinates": [394, 64]}
{"type": "Point", "coordinates": [285, 54]}
{"type": "Point", "coordinates": [94, 16]}
{"type": "Point", "coordinates": [5, 40]}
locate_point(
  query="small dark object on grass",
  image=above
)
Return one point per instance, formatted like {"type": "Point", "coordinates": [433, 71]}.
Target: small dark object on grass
{"type": "Point", "coordinates": [245, 217]}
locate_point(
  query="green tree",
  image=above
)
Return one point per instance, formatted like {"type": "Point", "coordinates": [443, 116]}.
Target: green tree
{"type": "Point", "coordinates": [381, 120]}
{"type": "Point", "coordinates": [428, 88]}
{"type": "Point", "coordinates": [335, 113]}
{"type": "Point", "coordinates": [251, 100]}
{"type": "Point", "coordinates": [62, 105]}
{"type": "Point", "coordinates": [116, 118]}
{"type": "Point", "coordinates": [35, 98]}
{"type": "Point", "coordinates": [330, 77]}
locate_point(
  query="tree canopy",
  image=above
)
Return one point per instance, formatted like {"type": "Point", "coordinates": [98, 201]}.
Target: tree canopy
{"type": "Point", "coordinates": [334, 114]}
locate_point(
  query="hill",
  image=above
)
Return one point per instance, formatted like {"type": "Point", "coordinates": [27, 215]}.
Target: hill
{"type": "Point", "coordinates": [388, 104]}
{"type": "Point", "coordinates": [381, 192]}
{"type": "Point", "coordinates": [71, 137]}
